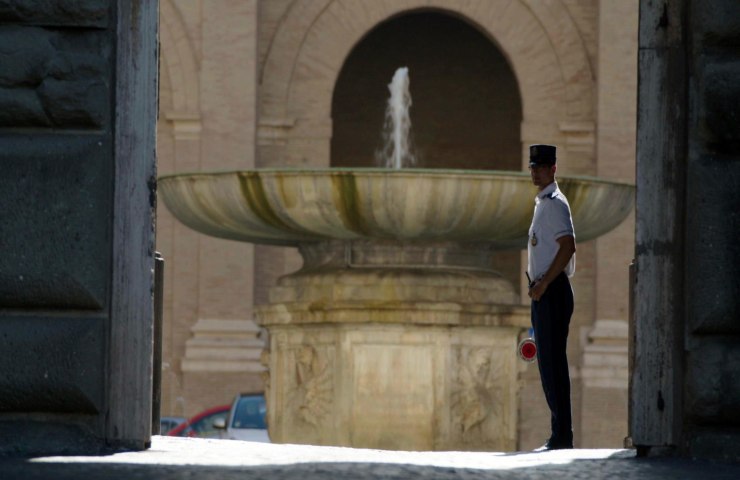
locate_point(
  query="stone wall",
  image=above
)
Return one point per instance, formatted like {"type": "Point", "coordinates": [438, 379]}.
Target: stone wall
{"type": "Point", "coordinates": [712, 255]}
{"type": "Point", "coordinates": [77, 188]}
{"type": "Point", "coordinates": [685, 394]}
{"type": "Point", "coordinates": [207, 122]}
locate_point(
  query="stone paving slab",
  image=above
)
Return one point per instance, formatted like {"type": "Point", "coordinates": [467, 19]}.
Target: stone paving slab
{"type": "Point", "coordinates": [174, 458]}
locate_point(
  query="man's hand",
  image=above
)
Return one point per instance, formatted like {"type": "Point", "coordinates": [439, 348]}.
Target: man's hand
{"type": "Point", "coordinates": [537, 290]}
{"type": "Point", "coordinates": [565, 251]}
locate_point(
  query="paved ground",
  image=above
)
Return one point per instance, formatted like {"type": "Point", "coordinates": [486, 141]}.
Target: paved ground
{"type": "Point", "coordinates": [182, 458]}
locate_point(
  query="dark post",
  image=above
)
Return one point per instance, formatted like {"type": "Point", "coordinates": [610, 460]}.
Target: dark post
{"type": "Point", "coordinates": [656, 379]}
{"type": "Point", "coordinates": [630, 345]}
{"type": "Point", "coordinates": [157, 352]}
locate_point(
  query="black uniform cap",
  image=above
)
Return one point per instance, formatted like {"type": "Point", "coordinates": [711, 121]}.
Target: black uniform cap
{"type": "Point", "coordinates": [542, 155]}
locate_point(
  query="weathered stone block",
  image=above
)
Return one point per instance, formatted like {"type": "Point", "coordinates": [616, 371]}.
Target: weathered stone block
{"type": "Point", "coordinates": [713, 381]}
{"type": "Point", "coordinates": [54, 366]}
{"type": "Point", "coordinates": [714, 22]}
{"type": "Point", "coordinates": [54, 78]}
{"type": "Point", "coordinates": [40, 438]}
{"type": "Point", "coordinates": [56, 12]}
{"type": "Point", "coordinates": [450, 388]}
{"type": "Point", "coordinates": [713, 253]}
{"type": "Point", "coordinates": [55, 192]}
{"type": "Point", "coordinates": [718, 113]}
{"type": "Point", "coordinates": [712, 443]}
{"type": "Point", "coordinates": [660, 23]}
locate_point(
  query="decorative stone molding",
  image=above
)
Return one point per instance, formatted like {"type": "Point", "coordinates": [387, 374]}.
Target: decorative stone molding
{"type": "Point", "coordinates": [476, 394]}
{"type": "Point", "coordinates": [605, 356]}
{"type": "Point", "coordinates": [223, 346]}
{"type": "Point", "coordinates": [274, 131]}
{"type": "Point", "coordinates": [265, 375]}
{"type": "Point", "coordinates": [301, 397]}
{"type": "Point", "coordinates": [185, 125]}
{"type": "Point", "coordinates": [312, 128]}
{"type": "Point", "coordinates": [539, 130]}
{"type": "Point", "coordinates": [311, 393]}
{"type": "Point", "coordinates": [579, 136]}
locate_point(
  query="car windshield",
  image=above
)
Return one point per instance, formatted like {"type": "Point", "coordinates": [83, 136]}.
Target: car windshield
{"type": "Point", "coordinates": [250, 413]}
{"type": "Point", "coordinates": [168, 423]}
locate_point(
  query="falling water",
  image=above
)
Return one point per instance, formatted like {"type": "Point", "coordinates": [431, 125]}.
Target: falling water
{"type": "Point", "coordinates": [397, 149]}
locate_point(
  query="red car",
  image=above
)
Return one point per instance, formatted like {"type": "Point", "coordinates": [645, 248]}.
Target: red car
{"type": "Point", "coordinates": [201, 425]}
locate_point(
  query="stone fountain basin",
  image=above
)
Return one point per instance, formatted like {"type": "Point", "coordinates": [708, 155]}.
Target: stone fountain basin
{"type": "Point", "coordinates": [396, 333]}
{"type": "Point", "coordinates": [291, 207]}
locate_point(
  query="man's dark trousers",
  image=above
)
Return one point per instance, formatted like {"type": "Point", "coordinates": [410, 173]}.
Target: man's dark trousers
{"type": "Point", "coordinates": [550, 320]}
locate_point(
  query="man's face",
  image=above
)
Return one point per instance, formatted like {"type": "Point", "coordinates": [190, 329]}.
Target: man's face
{"type": "Point", "coordinates": [542, 175]}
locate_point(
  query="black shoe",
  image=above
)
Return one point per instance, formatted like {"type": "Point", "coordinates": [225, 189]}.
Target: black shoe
{"type": "Point", "coordinates": [554, 445]}
{"type": "Point", "coordinates": [559, 445]}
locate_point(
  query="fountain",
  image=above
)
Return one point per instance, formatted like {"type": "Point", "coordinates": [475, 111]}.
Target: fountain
{"type": "Point", "coordinates": [397, 152]}
{"type": "Point", "coordinates": [396, 333]}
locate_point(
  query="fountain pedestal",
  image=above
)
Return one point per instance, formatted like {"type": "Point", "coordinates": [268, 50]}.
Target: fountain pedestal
{"type": "Point", "coordinates": [394, 345]}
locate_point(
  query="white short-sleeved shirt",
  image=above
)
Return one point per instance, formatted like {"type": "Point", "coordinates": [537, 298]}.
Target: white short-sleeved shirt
{"type": "Point", "coordinates": [551, 220]}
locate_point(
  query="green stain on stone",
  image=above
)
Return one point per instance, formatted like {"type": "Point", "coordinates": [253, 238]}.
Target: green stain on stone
{"type": "Point", "coordinates": [348, 201]}
{"type": "Point", "coordinates": [254, 193]}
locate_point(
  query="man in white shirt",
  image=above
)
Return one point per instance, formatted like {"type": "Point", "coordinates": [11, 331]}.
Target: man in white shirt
{"type": "Point", "coordinates": [551, 252]}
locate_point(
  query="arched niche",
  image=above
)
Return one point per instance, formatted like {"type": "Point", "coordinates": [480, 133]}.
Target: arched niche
{"type": "Point", "coordinates": [466, 110]}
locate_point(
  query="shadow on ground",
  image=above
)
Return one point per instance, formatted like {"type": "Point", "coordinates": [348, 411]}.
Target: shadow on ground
{"type": "Point", "coordinates": [617, 466]}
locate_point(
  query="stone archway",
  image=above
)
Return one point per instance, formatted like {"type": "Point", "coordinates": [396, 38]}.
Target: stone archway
{"type": "Point", "coordinates": [316, 37]}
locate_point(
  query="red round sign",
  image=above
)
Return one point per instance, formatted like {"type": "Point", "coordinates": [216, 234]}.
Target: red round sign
{"type": "Point", "coordinates": [527, 350]}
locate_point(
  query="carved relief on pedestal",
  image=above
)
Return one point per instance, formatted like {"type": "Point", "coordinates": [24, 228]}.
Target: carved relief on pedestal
{"type": "Point", "coordinates": [309, 391]}
{"type": "Point", "coordinates": [265, 376]}
{"type": "Point", "coordinates": [477, 406]}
